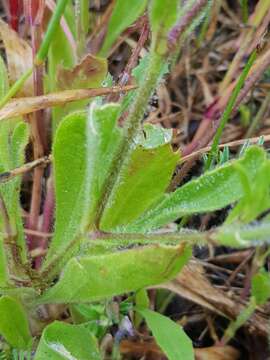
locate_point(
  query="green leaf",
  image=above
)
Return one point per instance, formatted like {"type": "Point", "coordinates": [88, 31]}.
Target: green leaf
{"type": "Point", "coordinates": [242, 236]}
{"type": "Point", "coordinates": [211, 191]}
{"type": "Point", "coordinates": [83, 151]}
{"type": "Point", "coordinates": [61, 341]}
{"type": "Point", "coordinates": [163, 14]}
{"type": "Point", "coordinates": [58, 56]}
{"type": "Point", "coordinates": [69, 155]}
{"type": "Point", "coordinates": [103, 138]}
{"type": "Point", "coordinates": [14, 324]}
{"type": "Point", "coordinates": [4, 84]}
{"type": "Point", "coordinates": [142, 180]}
{"type": "Point", "coordinates": [169, 336]}
{"type": "Point", "coordinates": [92, 278]}
{"type": "Point", "coordinates": [123, 15]}
{"type": "Point", "coordinates": [94, 316]}
{"type": "Point", "coordinates": [260, 287]}
{"type": "Point", "coordinates": [3, 264]}
{"type": "Point", "coordinates": [14, 137]}
{"type": "Point", "coordinates": [256, 193]}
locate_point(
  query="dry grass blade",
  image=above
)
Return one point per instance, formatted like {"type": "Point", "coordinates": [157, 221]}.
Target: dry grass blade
{"type": "Point", "coordinates": [192, 284]}
{"type": "Point", "coordinates": [150, 350]}
{"type": "Point", "coordinates": [200, 152]}
{"type": "Point", "coordinates": [8, 175]}
{"type": "Point", "coordinates": [26, 105]}
{"type": "Point", "coordinates": [19, 57]}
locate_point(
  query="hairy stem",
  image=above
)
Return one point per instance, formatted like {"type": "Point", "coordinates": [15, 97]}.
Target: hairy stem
{"type": "Point", "coordinates": [132, 126]}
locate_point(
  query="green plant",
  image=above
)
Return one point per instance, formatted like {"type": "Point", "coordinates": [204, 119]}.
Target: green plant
{"type": "Point", "coordinates": [110, 186]}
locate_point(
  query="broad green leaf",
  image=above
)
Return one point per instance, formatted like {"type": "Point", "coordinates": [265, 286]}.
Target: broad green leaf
{"type": "Point", "coordinates": [123, 15]}
{"type": "Point", "coordinates": [83, 150]}
{"type": "Point", "coordinates": [211, 191]}
{"type": "Point", "coordinates": [169, 336]}
{"type": "Point", "coordinates": [69, 155]}
{"type": "Point", "coordinates": [103, 138]}
{"type": "Point", "coordinates": [260, 288]}
{"type": "Point", "coordinates": [14, 324]}
{"type": "Point", "coordinates": [93, 278]}
{"type": "Point", "coordinates": [62, 341]}
{"type": "Point", "coordinates": [163, 14]}
{"type": "Point", "coordinates": [142, 180]}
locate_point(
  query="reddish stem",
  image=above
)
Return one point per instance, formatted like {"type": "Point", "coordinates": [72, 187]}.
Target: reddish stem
{"type": "Point", "coordinates": [14, 14]}
{"type": "Point", "coordinates": [48, 216]}
{"type": "Point", "coordinates": [34, 12]}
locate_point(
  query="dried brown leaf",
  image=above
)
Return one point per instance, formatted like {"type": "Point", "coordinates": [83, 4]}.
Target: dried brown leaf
{"type": "Point", "coordinates": [151, 350]}
{"type": "Point", "coordinates": [19, 57]}
{"type": "Point", "coordinates": [26, 105]}
{"type": "Point", "coordinates": [192, 284]}
{"type": "Point", "coordinates": [217, 353]}
{"type": "Point", "coordinates": [88, 73]}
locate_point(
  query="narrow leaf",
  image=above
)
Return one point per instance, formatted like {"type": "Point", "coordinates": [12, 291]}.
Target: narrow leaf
{"type": "Point", "coordinates": [26, 105]}
{"type": "Point", "coordinates": [260, 288]}
{"type": "Point", "coordinates": [211, 191]}
{"type": "Point", "coordinates": [163, 15]}
{"type": "Point", "coordinates": [13, 140]}
{"type": "Point", "coordinates": [123, 15]}
{"type": "Point", "coordinates": [169, 336]}
{"type": "Point", "coordinates": [243, 236]}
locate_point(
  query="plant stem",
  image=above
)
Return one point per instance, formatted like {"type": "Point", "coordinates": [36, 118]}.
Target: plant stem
{"type": "Point", "coordinates": [132, 126]}
{"type": "Point", "coordinates": [52, 27]}
{"type": "Point", "coordinates": [185, 21]}
{"type": "Point", "coordinates": [240, 321]}
{"type": "Point", "coordinates": [16, 87]}
{"type": "Point", "coordinates": [42, 53]}
{"type": "Point", "coordinates": [229, 108]}
{"type": "Point", "coordinates": [34, 14]}
{"type": "Point", "coordinates": [244, 6]}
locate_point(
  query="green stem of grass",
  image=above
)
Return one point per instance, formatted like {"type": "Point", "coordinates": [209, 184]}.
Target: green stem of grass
{"type": "Point", "coordinates": [244, 6]}
{"type": "Point", "coordinates": [242, 318]}
{"type": "Point", "coordinates": [52, 27]}
{"type": "Point", "coordinates": [229, 108]}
